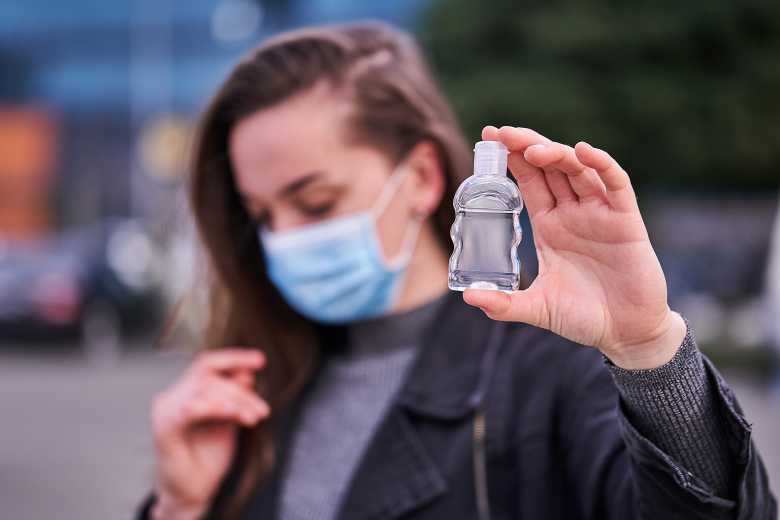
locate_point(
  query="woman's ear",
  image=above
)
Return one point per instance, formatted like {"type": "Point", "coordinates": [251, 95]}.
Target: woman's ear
{"type": "Point", "coordinates": [427, 184]}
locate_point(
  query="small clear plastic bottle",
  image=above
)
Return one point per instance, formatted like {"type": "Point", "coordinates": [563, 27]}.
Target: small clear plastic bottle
{"type": "Point", "coordinates": [486, 231]}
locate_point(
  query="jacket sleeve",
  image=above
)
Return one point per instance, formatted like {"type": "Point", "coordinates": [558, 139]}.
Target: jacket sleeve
{"type": "Point", "coordinates": [620, 473]}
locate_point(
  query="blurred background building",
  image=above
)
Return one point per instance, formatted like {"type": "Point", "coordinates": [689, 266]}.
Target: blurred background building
{"type": "Point", "coordinates": [97, 106]}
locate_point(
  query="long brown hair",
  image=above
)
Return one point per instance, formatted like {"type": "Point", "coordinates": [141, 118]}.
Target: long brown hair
{"type": "Point", "coordinates": [397, 104]}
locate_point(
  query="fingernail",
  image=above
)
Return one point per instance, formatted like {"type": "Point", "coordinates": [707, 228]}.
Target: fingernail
{"type": "Point", "coordinates": [538, 147]}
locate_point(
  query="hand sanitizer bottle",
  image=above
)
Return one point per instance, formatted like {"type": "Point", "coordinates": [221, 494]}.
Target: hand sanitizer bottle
{"type": "Point", "coordinates": [486, 231]}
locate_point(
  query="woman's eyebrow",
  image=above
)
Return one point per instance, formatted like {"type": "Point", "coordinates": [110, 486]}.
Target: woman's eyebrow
{"type": "Point", "coordinates": [300, 183]}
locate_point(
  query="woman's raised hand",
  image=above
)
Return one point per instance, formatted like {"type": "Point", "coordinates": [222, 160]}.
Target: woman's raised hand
{"type": "Point", "coordinates": [195, 424]}
{"type": "Point", "coordinates": [600, 282]}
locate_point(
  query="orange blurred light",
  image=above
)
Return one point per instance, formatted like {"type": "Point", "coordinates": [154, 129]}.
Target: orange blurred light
{"type": "Point", "coordinates": [28, 159]}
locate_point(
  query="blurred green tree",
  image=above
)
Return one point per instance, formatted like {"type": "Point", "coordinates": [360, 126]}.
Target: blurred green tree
{"type": "Point", "coordinates": [684, 94]}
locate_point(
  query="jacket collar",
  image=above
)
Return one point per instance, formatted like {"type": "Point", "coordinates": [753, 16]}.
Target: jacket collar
{"type": "Point", "coordinates": [448, 376]}
{"type": "Point", "coordinates": [447, 380]}
{"type": "Point", "coordinates": [398, 474]}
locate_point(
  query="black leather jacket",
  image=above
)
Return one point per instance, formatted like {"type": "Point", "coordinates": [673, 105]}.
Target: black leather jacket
{"type": "Point", "coordinates": [508, 421]}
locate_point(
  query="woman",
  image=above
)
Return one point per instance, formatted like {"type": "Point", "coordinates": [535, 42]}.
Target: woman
{"type": "Point", "coordinates": [344, 380]}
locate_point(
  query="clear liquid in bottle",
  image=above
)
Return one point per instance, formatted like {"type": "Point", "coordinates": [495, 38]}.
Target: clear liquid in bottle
{"type": "Point", "coordinates": [486, 231]}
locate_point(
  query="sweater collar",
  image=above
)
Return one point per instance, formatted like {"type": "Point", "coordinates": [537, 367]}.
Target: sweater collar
{"type": "Point", "coordinates": [400, 330]}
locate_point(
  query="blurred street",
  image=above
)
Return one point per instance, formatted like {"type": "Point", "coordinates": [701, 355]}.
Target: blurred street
{"type": "Point", "coordinates": [75, 437]}
{"type": "Point", "coordinates": [76, 442]}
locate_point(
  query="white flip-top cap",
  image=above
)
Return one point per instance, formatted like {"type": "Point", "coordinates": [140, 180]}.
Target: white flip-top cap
{"type": "Point", "coordinates": [490, 158]}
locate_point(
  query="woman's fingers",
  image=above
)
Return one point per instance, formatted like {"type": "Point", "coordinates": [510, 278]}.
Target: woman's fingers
{"type": "Point", "coordinates": [203, 396]}
{"type": "Point", "coordinates": [549, 172]}
{"type": "Point", "coordinates": [223, 399]}
{"type": "Point", "coordinates": [619, 191]}
{"type": "Point", "coordinates": [531, 180]}
{"type": "Point", "coordinates": [525, 306]}
{"type": "Point", "coordinates": [244, 378]}
{"type": "Point", "coordinates": [228, 359]}
{"type": "Point", "coordinates": [559, 186]}
{"type": "Point", "coordinates": [537, 196]}
{"type": "Point", "coordinates": [582, 180]}
{"type": "Point", "coordinates": [490, 133]}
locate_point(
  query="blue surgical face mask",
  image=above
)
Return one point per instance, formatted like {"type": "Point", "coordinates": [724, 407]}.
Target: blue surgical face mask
{"type": "Point", "coordinates": [334, 271]}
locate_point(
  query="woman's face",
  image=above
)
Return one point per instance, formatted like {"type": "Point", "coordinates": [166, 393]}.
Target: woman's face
{"type": "Point", "coordinates": [294, 166]}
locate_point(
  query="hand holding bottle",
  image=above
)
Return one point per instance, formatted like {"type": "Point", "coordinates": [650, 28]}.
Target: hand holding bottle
{"type": "Point", "coordinates": [195, 424]}
{"type": "Point", "coordinates": [600, 282]}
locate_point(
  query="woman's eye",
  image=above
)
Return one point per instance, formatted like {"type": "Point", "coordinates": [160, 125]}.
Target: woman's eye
{"type": "Point", "coordinates": [317, 210]}
{"type": "Point", "coordinates": [317, 202]}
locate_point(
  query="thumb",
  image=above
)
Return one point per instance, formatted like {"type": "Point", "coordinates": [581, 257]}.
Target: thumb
{"type": "Point", "coordinates": [522, 306]}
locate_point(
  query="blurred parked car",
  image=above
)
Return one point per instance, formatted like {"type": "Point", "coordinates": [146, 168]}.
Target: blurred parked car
{"type": "Point", "coordinates": [95, 285]}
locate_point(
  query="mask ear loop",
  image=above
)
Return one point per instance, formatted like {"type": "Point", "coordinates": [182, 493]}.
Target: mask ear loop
{"type": "Point", "coordinates": [389, 190]}
{"type": "Point", "coordinates": [407, 246]}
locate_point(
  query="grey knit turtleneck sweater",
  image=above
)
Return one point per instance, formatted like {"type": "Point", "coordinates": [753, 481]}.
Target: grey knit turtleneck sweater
{"type": "Point", "coordinates": [341, 411]}
{"type": "Point", "coordinates": [674, 406]}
